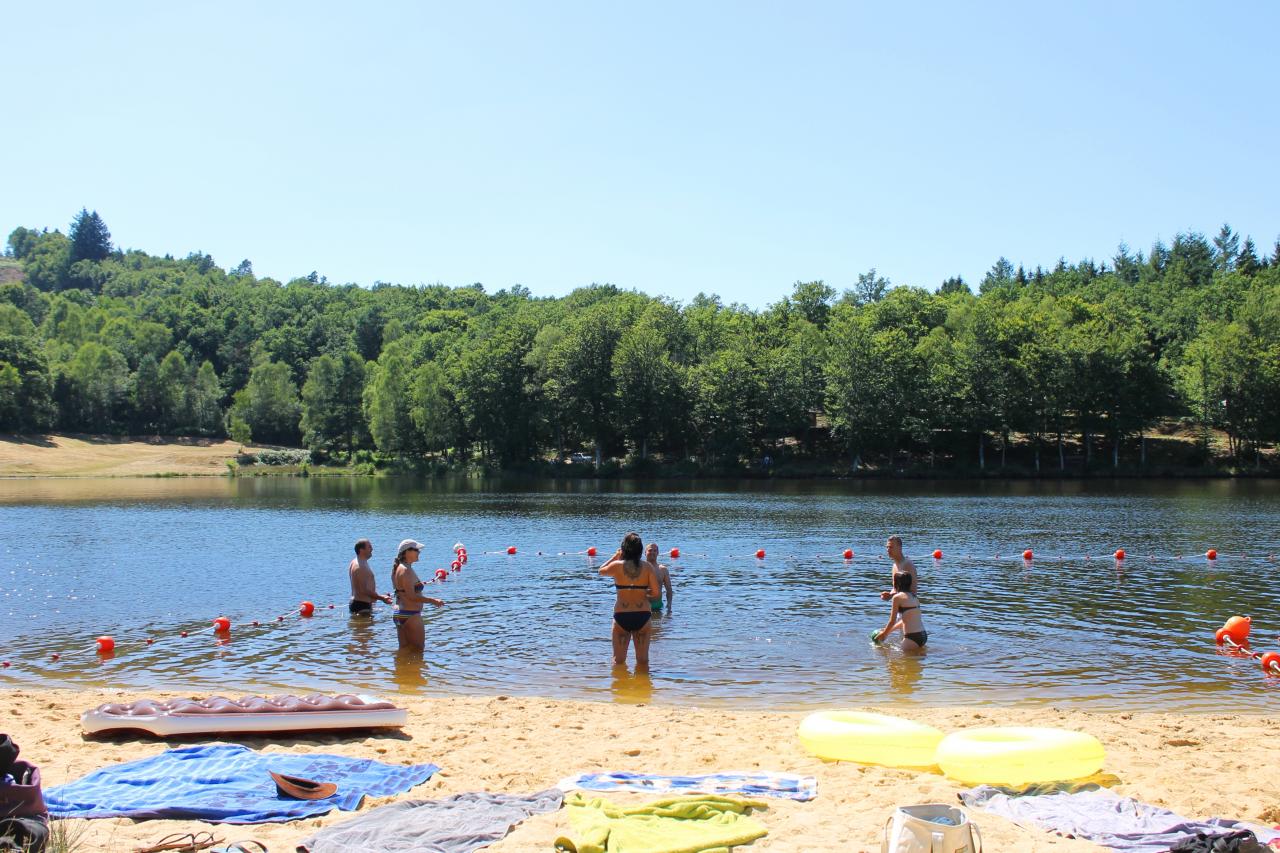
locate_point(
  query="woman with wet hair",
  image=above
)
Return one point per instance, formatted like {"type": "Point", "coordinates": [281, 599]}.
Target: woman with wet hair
{"type": "Point", "coordinates": [636, 584]}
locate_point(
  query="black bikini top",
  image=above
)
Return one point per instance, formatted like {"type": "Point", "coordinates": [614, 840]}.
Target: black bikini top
{"type": "Point", "coordinates": [623, 586]}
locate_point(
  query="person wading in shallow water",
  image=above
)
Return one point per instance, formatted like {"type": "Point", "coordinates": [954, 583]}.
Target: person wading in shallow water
{"type": "Point", "coordinates": [409, 597]}
{"type": "Point", "coordinates": [662, 573]}
{"type": "Point", "coordinates": [901, 565]}
{"type": "Point", "coordinates": [904, 616]}
{"type": "Point", "coordinates": [364, 589]}
{"type": "Point", "coordinates": [636, 584]}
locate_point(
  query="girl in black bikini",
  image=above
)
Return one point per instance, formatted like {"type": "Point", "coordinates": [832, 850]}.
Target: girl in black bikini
{"type": "Point", "coordinates": [636, 584]}
{"type": "Point", "coordinates": [905, 615]}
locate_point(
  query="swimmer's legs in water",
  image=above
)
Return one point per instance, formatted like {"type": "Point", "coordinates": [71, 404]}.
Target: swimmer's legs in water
{"type": "Point", "coordinates": [621, 640]}
{"type": "Point", "coordinates": [642, 646]}
{"type": "Point", "coordinates": [411, 633]}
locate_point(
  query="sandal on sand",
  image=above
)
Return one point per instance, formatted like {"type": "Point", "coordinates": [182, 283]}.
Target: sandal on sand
{"type": "Point", "coordinates": [182, 842]}
{"type": "Point", "coordinates": [246, 846]}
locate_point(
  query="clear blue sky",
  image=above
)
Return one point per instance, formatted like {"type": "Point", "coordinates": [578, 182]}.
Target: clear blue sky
{"type": "Point", "coordinates": [671, 147]}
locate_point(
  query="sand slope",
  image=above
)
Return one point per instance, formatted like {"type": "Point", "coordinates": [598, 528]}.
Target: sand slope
{"type": "Point", "coordinates": [1202, 766]}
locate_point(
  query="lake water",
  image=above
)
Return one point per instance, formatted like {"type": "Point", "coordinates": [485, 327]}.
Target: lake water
{"type": "Point", "coordinates": [151, 558]}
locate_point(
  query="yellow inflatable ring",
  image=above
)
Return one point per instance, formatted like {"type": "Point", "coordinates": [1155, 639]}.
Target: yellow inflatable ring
{"type": "Point", "coordinates": [1019, 756]}
{"type": "Point", "coordinates": [869, 739]}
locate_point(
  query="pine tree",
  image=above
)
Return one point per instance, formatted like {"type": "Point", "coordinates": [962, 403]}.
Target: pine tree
{"type": "Point", "coordinates": [90, 239]}
{"type": "Point", "coordinates": [1228, 245]}
{"type": "Point", "coordinates": [1247, 262]}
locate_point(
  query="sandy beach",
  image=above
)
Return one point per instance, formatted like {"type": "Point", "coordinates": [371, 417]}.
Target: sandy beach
{"type": "Point", "coordinates": [1198, 765]}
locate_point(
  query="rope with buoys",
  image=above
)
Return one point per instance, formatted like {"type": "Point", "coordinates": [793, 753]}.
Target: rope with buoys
{"type": "Point", "coordinates": [106, 646]}
{"type": "Point", "coordinates": [1234, 636]}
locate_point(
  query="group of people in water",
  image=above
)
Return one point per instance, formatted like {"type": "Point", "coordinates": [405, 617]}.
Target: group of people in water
{"type": "Point", "coordinates": [639, 581]}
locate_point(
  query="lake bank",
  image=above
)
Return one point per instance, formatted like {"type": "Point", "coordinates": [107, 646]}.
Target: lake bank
{"type": "Point", "coordinates": [1199, 765]}
{"type": "Point", "coordinates": [78, 455]}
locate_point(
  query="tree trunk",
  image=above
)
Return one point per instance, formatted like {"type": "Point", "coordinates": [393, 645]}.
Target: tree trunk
{"type": "Point", "coordinates": [644, 447]}
{"type": "Point", "coordinates": [1004, 447]}
{"type": "Point", "coordinates": [1037, 453]}
{"type": "Point", "coordinates": [1143, 456]}
{"type": "Point", "coordinates": [1088, 449]}
{"type": "Point", "coordinates": [1062, 458]}
{"type": "Point", "coordinates": [982, 453]}
{"type": "Point", "coordinates": [1115, 453]}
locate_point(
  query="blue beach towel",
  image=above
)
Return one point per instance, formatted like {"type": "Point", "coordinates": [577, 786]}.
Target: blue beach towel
{"type": "Point", "coordinates": [227, 783]}
{"type": "Point", "coordinates": [784, 785]}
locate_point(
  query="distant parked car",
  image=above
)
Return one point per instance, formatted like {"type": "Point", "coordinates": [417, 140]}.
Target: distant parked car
{"type": "Point", "coordinates": [580, 459]}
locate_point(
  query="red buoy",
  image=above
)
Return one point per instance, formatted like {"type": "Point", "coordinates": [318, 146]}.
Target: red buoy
{"type": "Point", "coordinates": [760, 554]}
{"type": "Point", "coordinates": [184, 633]}
{"type": "Point", "coordinates": [462, 558]}
{"type": "Point", "coordinates": [848, 553]}
{"type": "Point", "coordinates": [1211, 554]}
{"type": "Point", "coordinates": [255, 623]}
{"type": "Point", "coordinates": [1271, 663]}
{"type": "Point", "coordinates": [937, 554]}
{"type": "Point", "coordinates": [105, 644]}
{"type": "Point", "coordinates": [675, 553]}
{"type": "Point", "coordinates": [55, 656]}
{"type": "Point", "coordinates": [456, 566]}
{"type": "Point", "coordinates": [511, 549]}
{"type": "Point", "coordinates": [591, 552]}
{"type": "Point", "coordinates": [1119, 554]}
{"type": "Point", "coordinates": [441, 574]}
{"type": "Point", "coordinates": [458, 546]}
{"type": "Point", "coordinates": [221, 625]}
{"type": "Point", "coordinates": [1027, 555]}
{"type": "Point", "coordinates": [150, 640]}
{"type": "Point", "coordinates": [306, 608]}
{"type": "Point", "coordinates": [4, 664]}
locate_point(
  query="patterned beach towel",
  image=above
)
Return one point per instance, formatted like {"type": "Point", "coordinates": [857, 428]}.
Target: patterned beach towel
{"type": "Point", "coordinates": [785, 785]}
{"type": "Point", "coordinates": [227, 783]}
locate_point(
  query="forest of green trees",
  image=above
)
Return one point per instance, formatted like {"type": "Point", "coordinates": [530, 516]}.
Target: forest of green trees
{"type": "Point", "coordinates": [1079, 360]}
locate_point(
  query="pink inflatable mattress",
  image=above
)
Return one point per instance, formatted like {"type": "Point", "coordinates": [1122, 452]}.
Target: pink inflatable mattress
{"type": "Point", "coordinates": [248, 714]}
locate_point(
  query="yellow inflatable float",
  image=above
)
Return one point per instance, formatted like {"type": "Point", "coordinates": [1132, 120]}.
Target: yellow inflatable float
{"type": "Point", "coordinates": [1019, 756]}
{"type": "Point", "coordinates": [869, 739]}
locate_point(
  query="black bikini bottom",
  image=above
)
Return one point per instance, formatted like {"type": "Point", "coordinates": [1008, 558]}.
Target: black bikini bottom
{"type": "Point", "coordinates": [918, 637]}
{"type": "Point", "coordinates": [632, 622]}
{"type": "Point", "coordinates": [359, 607]}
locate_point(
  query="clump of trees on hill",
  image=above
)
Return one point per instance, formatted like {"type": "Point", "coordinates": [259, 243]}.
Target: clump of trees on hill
{"type": "Point", "coordinates": [1091, 355]}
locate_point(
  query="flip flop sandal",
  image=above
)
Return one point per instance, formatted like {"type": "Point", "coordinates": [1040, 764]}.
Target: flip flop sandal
{"type": "Point", "coordinates": [247, 846]}
{"type": "Point", "coordinates": [182, 842]}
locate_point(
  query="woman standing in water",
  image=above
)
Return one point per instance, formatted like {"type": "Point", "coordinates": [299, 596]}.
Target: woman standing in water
{"type": "Point", "coordinates": [904, 615]}
{"type": "Point", "coordinates": [409, 598]}
{"type": "Point", "coordinates": [636, 585]}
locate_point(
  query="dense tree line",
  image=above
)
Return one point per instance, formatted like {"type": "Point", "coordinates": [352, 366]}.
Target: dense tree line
{"type": "Point", "coordinates": [95, 339]}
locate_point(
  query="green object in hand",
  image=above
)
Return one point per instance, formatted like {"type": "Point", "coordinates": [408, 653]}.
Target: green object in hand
{"type": "Point", "coordinates": [875, 638]}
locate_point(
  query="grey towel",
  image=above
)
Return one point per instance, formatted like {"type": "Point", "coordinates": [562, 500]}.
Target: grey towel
{"type": "Point", "coordinates": [1094, 813]}
{"type": "Point", "coordinates": [457, 824]}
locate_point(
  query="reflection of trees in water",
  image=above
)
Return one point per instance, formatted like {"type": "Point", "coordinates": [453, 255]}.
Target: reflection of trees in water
{"type": "Point", "coordinates": [631, 688]}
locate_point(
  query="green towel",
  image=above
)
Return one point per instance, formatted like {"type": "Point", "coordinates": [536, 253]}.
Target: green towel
{"type": "Point", "coordinates": [698, 824]}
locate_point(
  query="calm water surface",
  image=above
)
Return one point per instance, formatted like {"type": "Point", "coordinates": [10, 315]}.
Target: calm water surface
{"type": "Point", "coordinates": [150, 558]}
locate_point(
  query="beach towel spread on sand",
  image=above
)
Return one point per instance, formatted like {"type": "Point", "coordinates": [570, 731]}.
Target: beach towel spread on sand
{"type": "Point", "coordinates": [785, 785]}
{"type": "Point", "coordinates": [1102, 817]}
{"type": "Point", "coordinates": [227, 783]}
{"type": "Point", "coordinates": [457, 824]}
{"type": "Point", "coordinates": [707, 824]}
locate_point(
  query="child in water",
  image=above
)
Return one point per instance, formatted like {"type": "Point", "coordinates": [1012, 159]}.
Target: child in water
{"type": "Point", "coordinates": [905, 615]}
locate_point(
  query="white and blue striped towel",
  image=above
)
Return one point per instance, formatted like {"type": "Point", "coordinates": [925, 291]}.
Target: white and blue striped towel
{"type": "Point", "coordinates": [785, 785]}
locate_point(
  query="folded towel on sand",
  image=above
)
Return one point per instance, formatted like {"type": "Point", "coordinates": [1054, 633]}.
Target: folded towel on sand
{"type": "Point", "coordinates": [681, 825]}
{"type": "Point", "coordinates": [1103, 817]}
{"type": "Point", "coordinates": [457, 824]}
{"type": "Point", "coordinates": [787, 785]}
{"type": "Point", "coordinates": [227, 783]}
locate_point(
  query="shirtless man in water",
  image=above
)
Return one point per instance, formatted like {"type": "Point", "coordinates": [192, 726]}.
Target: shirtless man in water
{"type": "Point", "coordinates": [364, 590]}
{"type": "Point", "coordinates": [901, 565]}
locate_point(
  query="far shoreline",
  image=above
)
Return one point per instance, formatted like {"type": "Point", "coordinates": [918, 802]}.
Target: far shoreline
{"type": "Point", "coordinates": [79, 456]}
